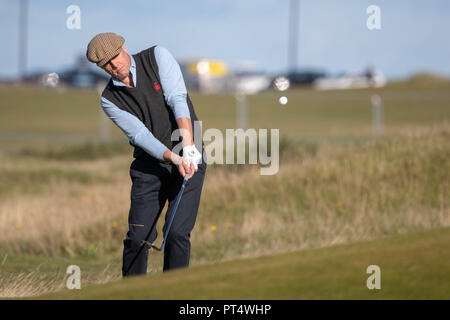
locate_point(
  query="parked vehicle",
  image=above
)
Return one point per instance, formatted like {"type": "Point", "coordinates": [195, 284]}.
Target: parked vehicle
{"type": "Point", "coordinates": [368, 79]}
{"type": "Point", "coordinates": [306, 77]}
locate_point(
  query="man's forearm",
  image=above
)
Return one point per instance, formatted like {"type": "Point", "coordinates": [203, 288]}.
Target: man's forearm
{"type": "Point", "coordinates": [169, 156]}
{"type": "Point", "coordinates": [185, 126]}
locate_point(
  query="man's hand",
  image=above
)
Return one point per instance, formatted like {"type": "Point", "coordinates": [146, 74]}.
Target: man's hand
{"type": "Point", "coordinates": [181, 162]}
{"type": "Point", "coordinates": [192, 155]}
{"type": "Point", "coordinates": [190, 152]}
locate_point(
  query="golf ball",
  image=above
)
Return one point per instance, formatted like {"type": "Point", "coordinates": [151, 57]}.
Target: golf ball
{"type": "Point", "coordinates": [283, 100]}
{"type": "Point", "coordinates": [281, 83]}
{"type": "Point", "coordinates": [51, 80]}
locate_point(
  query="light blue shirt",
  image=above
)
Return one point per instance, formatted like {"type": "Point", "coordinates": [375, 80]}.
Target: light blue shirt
{"type": "Point", "coordinates": [175, 94]}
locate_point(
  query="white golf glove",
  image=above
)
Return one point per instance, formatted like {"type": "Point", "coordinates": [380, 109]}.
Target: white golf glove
{"type": "Point", "coordinates": [192, 155]}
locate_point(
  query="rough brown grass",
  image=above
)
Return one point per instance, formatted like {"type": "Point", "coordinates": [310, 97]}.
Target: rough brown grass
{"type": "Point", "coordinates": [339, 194]}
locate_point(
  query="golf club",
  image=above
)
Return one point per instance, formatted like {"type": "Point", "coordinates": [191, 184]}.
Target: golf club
{"type": "Point", "coordinates": [151, 245]}
{"type": "Point", "coordinates": [180, 193]}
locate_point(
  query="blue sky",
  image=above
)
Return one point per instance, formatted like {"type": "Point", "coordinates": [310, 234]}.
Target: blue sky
{"type": "Point", "coordinates": [333, 34]}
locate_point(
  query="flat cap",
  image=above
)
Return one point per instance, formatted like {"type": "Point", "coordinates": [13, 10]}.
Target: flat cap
{"type": "Point", "coordinates": [103, 47]}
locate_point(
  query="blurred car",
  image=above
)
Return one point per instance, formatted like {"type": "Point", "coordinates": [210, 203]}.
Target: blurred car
{"type": "Point", "coordinates": [83, 75]}
{"type": "Point", "coordinates": [368, 79]}
{"type": "Point", "coordinates": [306, 77]}
{"type": "Point", "coordinates": [251, 82]}
{"type": "Point", "coordinates": [207, 76]}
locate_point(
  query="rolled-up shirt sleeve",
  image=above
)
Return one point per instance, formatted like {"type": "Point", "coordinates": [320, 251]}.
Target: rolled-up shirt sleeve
{"type": "Point", "coordinates": [172, 81]}
{"type": "Point", "coordinates": [137, 133]}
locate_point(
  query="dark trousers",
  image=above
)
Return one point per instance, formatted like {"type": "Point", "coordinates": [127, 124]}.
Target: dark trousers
{"type": "Point", "coordinates": [152, 185]}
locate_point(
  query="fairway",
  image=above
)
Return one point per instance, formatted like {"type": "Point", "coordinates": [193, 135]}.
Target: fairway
{"type": "Point", "coordinates": [309, 114]}
{"type": "Point", "coordinates": [413, 266]}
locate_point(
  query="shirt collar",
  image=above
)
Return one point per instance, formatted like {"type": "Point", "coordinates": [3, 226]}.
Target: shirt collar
{"type": "Point", "coordinates": [119, 83]}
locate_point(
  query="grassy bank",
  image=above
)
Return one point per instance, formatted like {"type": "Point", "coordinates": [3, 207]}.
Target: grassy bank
{"type": "Point", "coordinates": [412, 266]}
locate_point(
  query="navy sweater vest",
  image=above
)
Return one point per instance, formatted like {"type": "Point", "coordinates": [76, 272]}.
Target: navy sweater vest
{"type": "Point", "coordinates": [146, 102]}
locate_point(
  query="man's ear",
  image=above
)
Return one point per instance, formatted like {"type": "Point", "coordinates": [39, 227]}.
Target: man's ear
{"type": "Point", "coordinates": [124, 48]}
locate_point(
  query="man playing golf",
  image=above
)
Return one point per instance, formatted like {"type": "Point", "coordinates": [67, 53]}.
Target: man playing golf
{"type": "Point", "coordinates": [147, 99]}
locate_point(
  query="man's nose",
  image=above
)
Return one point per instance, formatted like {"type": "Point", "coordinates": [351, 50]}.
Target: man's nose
{"type": "Point", "coordinates": [114, 64]}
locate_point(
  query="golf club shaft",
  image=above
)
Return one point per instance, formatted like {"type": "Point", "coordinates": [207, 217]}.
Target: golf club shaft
{"type": "Point", "coordinates": [180, 193]}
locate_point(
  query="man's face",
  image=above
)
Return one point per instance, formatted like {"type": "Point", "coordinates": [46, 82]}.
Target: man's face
{"type": "Point", "coordinates": [119, 66]}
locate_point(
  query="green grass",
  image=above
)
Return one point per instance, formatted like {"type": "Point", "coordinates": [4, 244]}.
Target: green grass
{"type": "Point", "coordinates": [413, 266]}
{"type": "Point", "coordinates": [308, 115]}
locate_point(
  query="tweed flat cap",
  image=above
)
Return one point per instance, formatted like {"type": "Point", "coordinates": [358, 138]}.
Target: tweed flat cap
{"type": "Point", "coordinates": [103, 47]}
